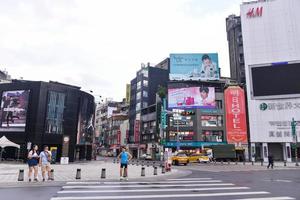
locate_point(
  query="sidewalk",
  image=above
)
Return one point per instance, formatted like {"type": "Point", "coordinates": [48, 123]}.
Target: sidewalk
{"type": "Point", "coordinates": [89, 171]}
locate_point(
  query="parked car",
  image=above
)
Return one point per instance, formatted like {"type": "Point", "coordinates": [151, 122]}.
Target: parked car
{"type": "Point", "coordinates": [146, 157]}
{"type": "Point", "coordinates": [180, 158]}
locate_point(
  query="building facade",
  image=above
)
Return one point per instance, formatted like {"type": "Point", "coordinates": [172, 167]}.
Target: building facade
{"type": "Point", "coordinates": [143, 94]}
{"type": "Point", "coordinates": [236, 51]}
{"type": "Point", "coordinates": [54, 114]}
{"type": "Point", "coordinates": [271, 43]}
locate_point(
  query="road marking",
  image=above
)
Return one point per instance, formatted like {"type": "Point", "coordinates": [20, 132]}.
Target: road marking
{"type": "Point", "coordinates": [187, 179]}
{"type": "Point", "coordinates": [152, 190]}
{"type": "Point", "coordinates": [269, 198]}
{"type": "Point", "coordinates": [161, 196]}
{"type": "Point", "coordinates": [142, 186]}
{"type": "Point", "coordinates": [157, 182]}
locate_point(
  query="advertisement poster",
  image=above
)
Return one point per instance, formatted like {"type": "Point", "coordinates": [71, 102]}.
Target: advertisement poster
{"type": "Point", "coordinates": [85, 122]}
{"type": "Point", "coordinates": [196, 66]}
{"type": "Point", "coordinates": [13, 110]}
{"type": "Point", "coordinates": [192, 97]}
{"type": "Point", "coordinates": [236, 125]}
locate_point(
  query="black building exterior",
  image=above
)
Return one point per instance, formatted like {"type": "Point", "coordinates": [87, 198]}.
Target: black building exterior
{"type": "Point", "coordinates": [58, 115]}
{"type": "Point", "coordinates": [143, 95]}
{"type": "Point", "coordinates": [236, 51]}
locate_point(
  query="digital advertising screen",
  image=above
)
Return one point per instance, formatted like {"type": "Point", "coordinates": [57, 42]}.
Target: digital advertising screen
{"type": "Point", "coordinates": [276, 80]}
{"type": "Point", "coordinates": [191, 97]}
{"type": "Point", "coordinates": [14, 106]}
{"type": "Point", "coordinates": [197, 66]}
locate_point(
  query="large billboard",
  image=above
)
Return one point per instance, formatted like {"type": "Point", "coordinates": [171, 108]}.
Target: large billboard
{"type": "Point", "coordinates": [236, 125]}
{"type": "Point", "coordinates": [13, 110]}
{"type": "Point", "coordinates": [196, 66]}
{"type": "Point", "coordinates": [191, 97]}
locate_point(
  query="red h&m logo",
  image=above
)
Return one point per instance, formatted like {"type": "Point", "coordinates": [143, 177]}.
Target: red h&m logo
{"type": "Point", "coordinates": [255, 12]}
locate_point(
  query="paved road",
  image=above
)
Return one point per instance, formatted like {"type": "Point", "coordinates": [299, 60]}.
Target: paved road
{"type": "Point", "coordinates": [244, 185]}
{"type": "Point", "coordinates": [197, 186]}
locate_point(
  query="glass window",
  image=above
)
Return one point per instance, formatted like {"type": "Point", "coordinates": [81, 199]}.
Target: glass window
{"type": "Point", "coordinates": [184, 121]}
{"type": "Point", "coordinates": [211, 120]}
{"type": "Point", "coordinates": [145, 83]}
{"type": "Point", "coordinates": [145, 94]}
{"type": "Point", "coordinates": [55, 112]}
{"type": "Point", "coordinates": [138, 85]}
{"type": "Point", "coordinates": [145, 104]}
{"type": "Point", "coordinates": [138, 96]}
{"type": "Point", "coordinates": [138, 106]}
{"type": "Point", "coordinates": [219, 104]}
{"type": "Point", "coordinates": [211, 136]}
{"type": "Point", "coordinates": [182, 136]}
{"type": "Point", "coordinates": [145, 72]}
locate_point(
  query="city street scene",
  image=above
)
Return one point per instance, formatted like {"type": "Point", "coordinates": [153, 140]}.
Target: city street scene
{"type": "Point", "coordinates": [160, 99]}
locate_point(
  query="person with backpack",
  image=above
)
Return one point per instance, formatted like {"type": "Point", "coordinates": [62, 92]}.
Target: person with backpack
{"type": "Point", "coordinates": [45, 160]}
{"type": "Point", "coordinates": [33, 161]}
{"type": "Point", "coordinates": [125, 157]}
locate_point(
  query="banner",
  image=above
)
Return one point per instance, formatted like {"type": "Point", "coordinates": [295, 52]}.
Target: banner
{"type": "Point", "coordinates": [236, 125]}
{"type": "Point", "coordinates": [192, 97]}
{"type": "Point", "coordinates": [195, 66]}
{"type": "Point", "coordinates": [14, 110]}
{"type": "Point", "coordinates": [137, 131]}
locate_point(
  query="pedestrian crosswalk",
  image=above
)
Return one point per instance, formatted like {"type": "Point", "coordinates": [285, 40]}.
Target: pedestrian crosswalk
{"type": "Point", "coordinates": [185, 188]}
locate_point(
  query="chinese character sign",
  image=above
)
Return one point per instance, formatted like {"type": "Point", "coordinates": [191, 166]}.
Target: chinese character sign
{"type": "Point", "coordinates": [236, 125]}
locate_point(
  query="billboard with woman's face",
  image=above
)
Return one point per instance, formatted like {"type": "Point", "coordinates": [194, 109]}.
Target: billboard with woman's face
{"type": "Point", "coordinates": [13, 110]}
{"type": "Point", "coordinates": [191, 97]}
{"type": "Point", "coordinates": [195, 66]}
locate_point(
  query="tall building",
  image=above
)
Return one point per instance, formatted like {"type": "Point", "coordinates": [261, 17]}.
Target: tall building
{"type": "Point", "coordinates": [271, 43]}
{"type": "Point", "coordinates": [143, 94]}
{"type": "Point", "coordinates": [236, 52]}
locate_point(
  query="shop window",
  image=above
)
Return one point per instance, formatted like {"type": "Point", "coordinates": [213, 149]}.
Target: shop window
{"type": "Point", "coordinates": [211, 120]}
{"type": "Point", "coordinates": [211, 136]}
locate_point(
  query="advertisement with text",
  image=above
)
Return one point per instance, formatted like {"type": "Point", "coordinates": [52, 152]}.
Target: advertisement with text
{"type": "Point", "coordinates": [236, 125]}
{"type": "Point", "coordinates": [192, 97]}
{"type": "Point", "coordinates": [13, 110]}
{"type": "Point", "coordinates": [195, 66]}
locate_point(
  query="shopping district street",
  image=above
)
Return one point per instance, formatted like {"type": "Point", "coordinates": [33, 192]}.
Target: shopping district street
{"type": "Point", "coordinates": [150, 100]}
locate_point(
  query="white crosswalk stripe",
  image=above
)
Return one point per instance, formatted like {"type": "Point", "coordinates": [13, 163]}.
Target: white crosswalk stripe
{"type": "Point", "coordinates": [185, 188]}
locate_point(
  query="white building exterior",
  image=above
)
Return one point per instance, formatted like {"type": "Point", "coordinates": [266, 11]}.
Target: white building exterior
{"type": "Point", "coordinates": [271, 34]}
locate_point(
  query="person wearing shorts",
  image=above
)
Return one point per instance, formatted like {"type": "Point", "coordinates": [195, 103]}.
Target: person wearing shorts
{"type": "Point", "coordinates": [33, 161]}
{"type": "Point", "coordinates": [125, 157]}
{"type": "Point", "coordinates": [45, 159]}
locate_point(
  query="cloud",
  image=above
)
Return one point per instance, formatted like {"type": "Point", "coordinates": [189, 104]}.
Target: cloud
{"type": "Point", "coordinates": [99, 44]}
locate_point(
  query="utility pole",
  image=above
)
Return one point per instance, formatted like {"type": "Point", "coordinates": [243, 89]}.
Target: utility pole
{"type": "Point", "coordinates": [294, 124]}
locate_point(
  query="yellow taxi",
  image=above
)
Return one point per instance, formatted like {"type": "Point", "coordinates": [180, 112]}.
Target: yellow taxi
{"type": "Point", "coordinates": [180, 158]}
{"type": "Point", "coordinates": [198, 157]}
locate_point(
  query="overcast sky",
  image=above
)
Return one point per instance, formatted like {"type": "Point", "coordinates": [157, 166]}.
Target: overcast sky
{"type": "Point", "coordinates": [100, 44]}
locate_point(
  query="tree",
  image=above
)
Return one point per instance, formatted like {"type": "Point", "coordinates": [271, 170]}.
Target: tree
{"type": "Point", "coordinates": [162, 91]}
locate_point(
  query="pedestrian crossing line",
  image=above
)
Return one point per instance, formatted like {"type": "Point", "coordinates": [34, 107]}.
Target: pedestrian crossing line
{"type": "Point", "coordinates": [156, 182]}
{"type": "Point", "coordinates": [187, 179]}
{"type": "Point", "coordinates": [153, 190]}
{"type": "Point", "coordinates": [161, 196]}
{"type": "Point", "coordinates": [143, 186]}
{"type": "Point", "coordinates": [269, 198]}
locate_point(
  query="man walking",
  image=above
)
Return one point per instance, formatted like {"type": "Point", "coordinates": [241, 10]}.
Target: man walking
{"type": "Point", "coordinates": [124, 156]}
{"type": "Point", "coordinates": [271, 161]}
{"type": "Point", "coordinates": [45, 160]}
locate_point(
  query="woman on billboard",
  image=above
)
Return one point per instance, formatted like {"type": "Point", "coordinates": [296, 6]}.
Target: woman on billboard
{"type": "Point", "coordinates": [209, 68]}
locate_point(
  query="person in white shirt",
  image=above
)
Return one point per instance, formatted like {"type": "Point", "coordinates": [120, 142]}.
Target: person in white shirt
{"type": "Point", "coordinates": [33, 160]}
{"type": "Point", "coordinates": [45, 160]}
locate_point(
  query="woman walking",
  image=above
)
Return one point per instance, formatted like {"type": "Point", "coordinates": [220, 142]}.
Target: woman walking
{"type": "Point", "coordinates": [33, 161]}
